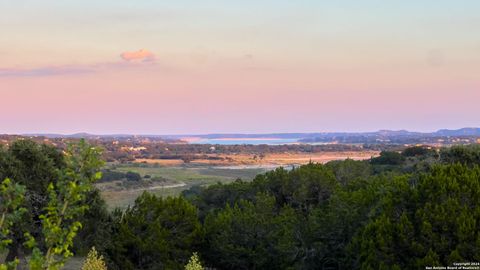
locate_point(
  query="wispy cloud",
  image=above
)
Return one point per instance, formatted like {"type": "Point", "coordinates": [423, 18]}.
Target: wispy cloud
{"type": "Point", "coordinates": [136, 59]}
{"type": "Point", "coordinates": [45, 71]}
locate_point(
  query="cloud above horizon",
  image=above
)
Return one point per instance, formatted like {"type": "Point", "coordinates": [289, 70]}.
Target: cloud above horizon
{"type": "Point", "coordinates": [44, 71]}
{"type": "Point", "coordinates": [140, 55]}
{"type": "Point", "coordinates": [132, 60]}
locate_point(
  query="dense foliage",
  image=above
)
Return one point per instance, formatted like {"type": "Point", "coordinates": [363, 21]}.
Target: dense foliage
{"type": "Point", "coordinates": [401, 210]}
{"type": "Point", "coordinates": [431, 222]}
{"type": "Point", "coordinates": [54, 205]}
{"type": "Point", "coordinates": [392, 212]}
{"type": "Point", "coordinates": [155, 233]}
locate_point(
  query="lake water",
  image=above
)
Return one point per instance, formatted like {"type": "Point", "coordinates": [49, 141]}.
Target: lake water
{"type": "Point", "coordinates": [270, 141]}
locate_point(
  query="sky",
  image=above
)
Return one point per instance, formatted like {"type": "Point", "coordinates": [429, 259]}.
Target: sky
{"type": "Point", "coordinates": [196, 67]}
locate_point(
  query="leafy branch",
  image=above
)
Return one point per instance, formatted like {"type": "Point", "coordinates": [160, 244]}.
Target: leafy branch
{"type": "Point", "coordinates": [66, 205]}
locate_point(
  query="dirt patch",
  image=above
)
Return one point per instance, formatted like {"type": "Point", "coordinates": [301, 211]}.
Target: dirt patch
{"type": "Point", "coordinates": [267, 159]}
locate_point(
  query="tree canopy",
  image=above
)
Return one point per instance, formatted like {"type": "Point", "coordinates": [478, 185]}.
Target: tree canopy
{"type": "Point", "coordinates": [401, 210]}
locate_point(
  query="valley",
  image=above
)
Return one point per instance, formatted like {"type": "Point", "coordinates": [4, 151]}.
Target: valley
{"type": "Point", "coordinates": [169, 177]}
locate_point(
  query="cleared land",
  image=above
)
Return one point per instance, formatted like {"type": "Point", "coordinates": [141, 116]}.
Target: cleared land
{"type": "Point", "coordinates": [280, 159]}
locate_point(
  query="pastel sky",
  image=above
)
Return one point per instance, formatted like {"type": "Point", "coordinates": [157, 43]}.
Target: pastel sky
{"type": "Point", "coordinates": [189, 66]}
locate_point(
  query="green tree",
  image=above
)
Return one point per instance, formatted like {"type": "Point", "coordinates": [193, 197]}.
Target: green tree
{"type": "Point", "coordinates": [301, 188]}
{"type": "Point", "coordinates": [11, 211]}
{"type": "Point", "coordinates": [469, 154]}
{"type": "Point", "coordinates": [350, 170]}
{"type": "Point", "coordinates": [416, 151]}
{"type": "Point", "coordinates": [33, 166]}
{"type": "Point", "coordinates": [64, 207]}
{"type": "Point", "coordinates": [388, 158]}
{"type": "Point", "coordinates": [155, 233]}
{"type": "Point", "coordinates": [133, 176]}
{"type": "Point", "coordinates": [252, 235]}
{"type": "Point", "coordinates": [96, 225]}
{"type": "Point", "coordinates": [425, 223]}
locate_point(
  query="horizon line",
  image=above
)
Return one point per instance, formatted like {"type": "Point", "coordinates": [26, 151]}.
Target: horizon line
{"type": "Point", "coordinates": [227, 133]}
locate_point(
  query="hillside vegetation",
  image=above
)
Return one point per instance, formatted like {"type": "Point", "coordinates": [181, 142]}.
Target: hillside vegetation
{"type": "Point", "coordinates": [401, 210]}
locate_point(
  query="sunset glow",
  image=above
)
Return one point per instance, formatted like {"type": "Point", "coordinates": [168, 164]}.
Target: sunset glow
{"type": "Point", "coordinates": [189, 67]}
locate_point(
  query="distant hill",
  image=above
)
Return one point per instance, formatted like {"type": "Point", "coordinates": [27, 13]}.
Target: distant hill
{"type": "Point", "coordinates": [459, 132]}
{"type": "Point", "coordinates": [470, 131]}
{"type": "Point", "coordinates": [443, 136]}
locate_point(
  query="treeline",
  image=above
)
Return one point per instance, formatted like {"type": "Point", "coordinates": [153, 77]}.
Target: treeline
{"type": "Point", "coordinates": [127, 149]}
{"type": "Point", "coordinates": [108, 175]}
{"type": "Point", "coordinates": [401, 210]}
{"type": "Point", "coordinates": [188, 152]}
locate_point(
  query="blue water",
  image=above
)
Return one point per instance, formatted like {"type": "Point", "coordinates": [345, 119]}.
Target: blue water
{"type": "Point", "coordinates": [246, 141]}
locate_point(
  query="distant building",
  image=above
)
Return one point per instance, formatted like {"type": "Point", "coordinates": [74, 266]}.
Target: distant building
{"type": "Point", "coordinates": [137, 149]}
{"type": "Point", "coordinates": [133, 149]}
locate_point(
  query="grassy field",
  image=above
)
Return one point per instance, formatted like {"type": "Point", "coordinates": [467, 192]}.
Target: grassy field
{"type": "Point", "coordinates": [207, 172]}
{"type": "Point", "coordinates": [190, 175]}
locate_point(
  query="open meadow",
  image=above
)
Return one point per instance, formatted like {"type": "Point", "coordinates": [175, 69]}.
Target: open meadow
{"type": "Point", "coordinates": [179, 176]}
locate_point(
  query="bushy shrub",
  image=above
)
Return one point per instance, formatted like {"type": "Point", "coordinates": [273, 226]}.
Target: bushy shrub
{"type": "Point", "coordinates": [133, 176]}
{"type": "Point", "coordinates": [388, 158]}
{"type": "Point", "coordinates": [155, 233]}
{"type": "Point", "coordinates": [194, 263]}
{"type": "Point", "coordinates": [94, 261]}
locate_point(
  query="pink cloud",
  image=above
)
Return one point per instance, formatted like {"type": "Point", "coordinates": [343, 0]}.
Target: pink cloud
{"type": "Point", "coordinates": [141, 55]}
{"type": "Point", "coordinates": [135, 60]}
{"type": "Point", "coordinates": [45, 71]}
